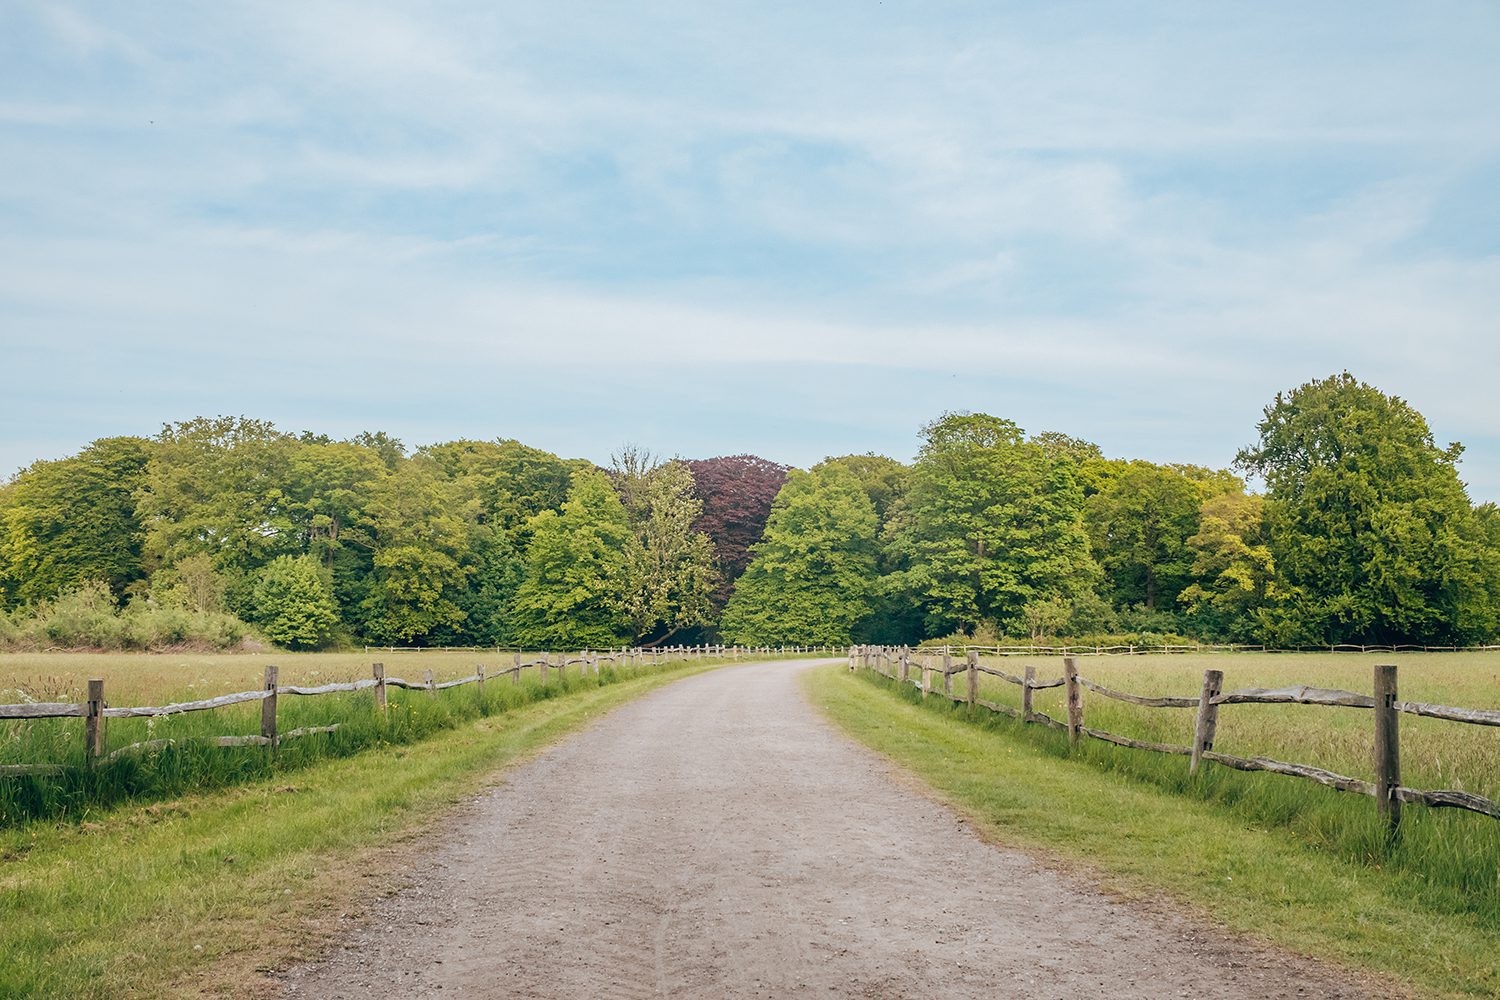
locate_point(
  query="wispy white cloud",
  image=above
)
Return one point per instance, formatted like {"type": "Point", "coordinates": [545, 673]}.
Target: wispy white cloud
{"type": "Point", "coordinates": [1148, 224]}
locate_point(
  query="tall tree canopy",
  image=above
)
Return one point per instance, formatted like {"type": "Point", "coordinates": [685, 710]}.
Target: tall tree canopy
{"type": "Point", "coordinates": [672, 574]}
{"type": "Point", "coordinates": [65, 523]}
{"type": "Point", "coordinates": [812, 577]}
{"type": "Point", "coordinates": [1373, 534]}
{"type": "Point", "coordinates": [990, 524]}
{"type": "Point", "coordinates": [418, 525]}
{"type": "Point", "coordinates": [1233, 569]}
{"type": "Point", "coordinates": [1364, 534]}
{"type": "Point", "coordinates": [1139, 524]}
{"type": "Point", "coordinates": [736, 492]}
{"type": "Point", "coordinates": [577, 587]}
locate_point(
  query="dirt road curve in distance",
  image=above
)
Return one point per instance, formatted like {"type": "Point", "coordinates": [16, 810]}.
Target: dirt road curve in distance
{"type": "Point", "coordinates": [718, 839]}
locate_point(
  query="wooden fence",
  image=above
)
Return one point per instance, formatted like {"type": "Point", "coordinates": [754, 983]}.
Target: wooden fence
{"type": "Point", "coordinates": [1196, 647]}
{"type": "Point", "coordinates": [96, 712]}
{"type": "Point", "coordinates": [1386, 789]}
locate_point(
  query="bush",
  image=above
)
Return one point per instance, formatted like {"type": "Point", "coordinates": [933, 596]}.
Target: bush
{"type": "Point", "coordinates": [87, 618]}
{"type": "Point", "coordinates": [293, 604]}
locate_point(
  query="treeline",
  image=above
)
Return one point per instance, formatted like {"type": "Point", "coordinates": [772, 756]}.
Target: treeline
{"type": "Point", "coordinates": [1364, 533]}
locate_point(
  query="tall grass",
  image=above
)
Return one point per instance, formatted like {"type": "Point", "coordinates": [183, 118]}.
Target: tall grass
{"type": "Point", "coordinates": [1454, 854]}
{"type": "Point", "coordinates": [190, 764]}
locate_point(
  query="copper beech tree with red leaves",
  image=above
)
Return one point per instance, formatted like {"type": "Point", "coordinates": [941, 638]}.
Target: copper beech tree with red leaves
{"type": "Point", "coordinates": [737, 491]}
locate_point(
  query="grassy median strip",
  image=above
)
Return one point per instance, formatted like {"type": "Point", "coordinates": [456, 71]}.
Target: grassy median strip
{"type": "Point", "coordinates": [198, 896]}
{"type": "Point", "coordinates": [1144, 842]}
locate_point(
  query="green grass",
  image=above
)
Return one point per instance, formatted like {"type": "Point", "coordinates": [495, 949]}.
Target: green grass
{"type": "Point", "coordinates": [191, 764]}
{"type": "Point", "coordinates": [1293, 863]}
{"type": "Point", "coordinates": [1455, 854]}
{"type": "Point", "coordinates": [194, 896]}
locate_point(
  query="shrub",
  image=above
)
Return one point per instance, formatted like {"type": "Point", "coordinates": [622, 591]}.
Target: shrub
{"type": "Point", "coordinates": [293, 604]}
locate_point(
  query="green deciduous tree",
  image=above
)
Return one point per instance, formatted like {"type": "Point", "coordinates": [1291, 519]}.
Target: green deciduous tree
{"type": "Point", "coordinates": [577, 586]}
{"type": "Point", "coordinates": [883, 479]}
{"type": "Point", "coordinates": [1374, 537]}
{"type": "Point", "coordinates": [512, 481]}
{"type": "Point", "coordinates": [811, 578]}
{"type": "Point", "coordinates": [217, 486]}
{"type": "Point", "coordinates": [1233, 568]}
{"type": "Point", "coordinates": [672, 573]}
{"type": "Point", "coordinates": [73, 521]}
{"type": "Point", "coordinates": [417, 523]}
{"type": "Point", "coordinates": [1139, 524]}
{"type": "Point", "coordinates": [990, 523]}
{"type": "Point", "coordinates": [292, 603]}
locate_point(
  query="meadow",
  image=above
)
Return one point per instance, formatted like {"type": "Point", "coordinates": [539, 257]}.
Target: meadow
{"type": "Point", "coordinates": [190, 765]}
{"type": "Point", "coordinates": [1434, 753]}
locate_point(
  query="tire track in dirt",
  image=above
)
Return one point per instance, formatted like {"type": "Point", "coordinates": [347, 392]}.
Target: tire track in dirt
{"type": "Point", "coordinates": [718, 839]}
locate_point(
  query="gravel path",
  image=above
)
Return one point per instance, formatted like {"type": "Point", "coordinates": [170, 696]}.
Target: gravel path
{"type": "Point", "coordinates": [718, 839]}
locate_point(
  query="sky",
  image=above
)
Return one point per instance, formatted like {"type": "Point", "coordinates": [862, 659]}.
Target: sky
{"type": "Point", "coordinates": [710, 228]}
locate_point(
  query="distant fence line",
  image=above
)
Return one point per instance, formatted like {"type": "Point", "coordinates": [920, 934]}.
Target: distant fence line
{"type": "Point", "coordinates": [1386, 789]}
{"type": "Point", "coordinates": [1135, 650]}
{"type": "Point", "coordinates": [95, 710]}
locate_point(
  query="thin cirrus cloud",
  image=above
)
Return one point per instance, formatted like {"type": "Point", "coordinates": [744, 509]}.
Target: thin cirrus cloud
{"type": "Point", "coordinates": [793, 231]}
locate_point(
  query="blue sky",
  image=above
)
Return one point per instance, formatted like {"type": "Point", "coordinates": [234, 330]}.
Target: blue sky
{"type": "Point", "coordinates": [788, 229]}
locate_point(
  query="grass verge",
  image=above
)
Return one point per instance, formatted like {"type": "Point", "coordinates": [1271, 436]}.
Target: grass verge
{"type": "Point", "coordinates": [1144, 842]}
{"type": "Point", "coordinates": [200, 896]}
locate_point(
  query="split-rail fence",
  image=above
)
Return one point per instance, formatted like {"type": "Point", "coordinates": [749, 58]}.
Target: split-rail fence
{"type": "Point", "coordinates": [96, 712]}
{"type": "Point", "coordinates": [1387, 790]}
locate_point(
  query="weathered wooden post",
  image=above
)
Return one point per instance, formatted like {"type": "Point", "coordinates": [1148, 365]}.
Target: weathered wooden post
{"type": "Point", "coordinates": [1387, 749]}
{"type": "Point", "coordinates": [479, 672]}
{"type": "Point", "coordinates": [1208, 718]}
{"type": "Point", "coordinates": [973, 698]}
{"type": "Point", "coordinates": [926, 676]}
{"type": "Point", "coordinates": [431, 687]}
{"type": "Point", "coordinates": [378, 670]}
{"type": "Point", "coordinates": [1075, 700]}
{"type": "Point", "coordinates": [268, 707]}
{"type": "Point", "coordinates": [1026, 693]}
{"type": "Point", "coordinates": [905, 665]}
{"type": "Point", "coordinates": [515, 662]}
{"type": "Point", "coordinates": [543, 665]}
{"type": "Point", "coordinates": [93, 727]}
{"type": "Point", "coordinates": [948, 672]}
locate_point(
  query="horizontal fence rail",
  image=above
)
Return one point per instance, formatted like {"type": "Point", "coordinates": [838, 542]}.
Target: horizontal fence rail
{"type": "Point", "coordinates": [1387, 790]}
{"type": "Point", "coordinates": [95, 710]}
{"type": "Point", "coordinates": [1156, 650]}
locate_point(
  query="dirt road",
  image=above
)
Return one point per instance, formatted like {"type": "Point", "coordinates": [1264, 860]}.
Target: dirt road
{"type": "Point", "coordinates": [718, 839]}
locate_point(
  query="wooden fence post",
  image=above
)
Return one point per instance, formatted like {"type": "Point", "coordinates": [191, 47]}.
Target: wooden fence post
{"type": "Point", "coordinates": [515, 677]}
{"type": "Point", "coordinates": [973, 698]}
{"type": "Point", "coordinates": [1075, 700]}
{"type": "Point", "coordinates": [543, 665]}
{"type": "Point", "coordinates": [1387, 749]}
{"type": "Point", "coordinates": [1026, 693]}
{"type": "Point", "coordinates": [948, 673]}
{"type": "Point", "coordinates": [479, 671]}
{"type": "Point", "coordinates": [905, 665]}
{"type": "Point", "coordinates": [431, 687]}
{"type": "Point", "coordinates": [380, 693]}
{"type": "Point", "coordinates": [268, 707]}
{"type": "Point", "coordinates": [1208, 717]}
{"type": "Point", "coordinates": [94, 723]}
{"type": "Point", "coordinates": [926, 676]}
